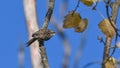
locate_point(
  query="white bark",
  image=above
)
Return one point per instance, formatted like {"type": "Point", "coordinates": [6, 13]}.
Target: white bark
{"type": "Point", "coordinates": [32, 25]}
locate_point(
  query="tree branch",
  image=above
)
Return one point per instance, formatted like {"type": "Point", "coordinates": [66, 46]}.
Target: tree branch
{"type": "Point", "coordinates": [106, 52]}
{"type": "Point", "coordinates": [45, 25]}
{"type": "Point", "coordinates": [49, 14]}
{"type": "Point", "coordinates": [114, 14]}
{"type": "Point", "coordinates": [43, 55]}
{"type": "Point", "coordinates": [115, 6]}
{"type": "Point", "coordinates": [32, 25]}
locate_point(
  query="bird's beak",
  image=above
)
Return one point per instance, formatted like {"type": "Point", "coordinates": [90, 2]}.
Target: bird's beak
{"type": "Point", "coordinates": [53, 33]}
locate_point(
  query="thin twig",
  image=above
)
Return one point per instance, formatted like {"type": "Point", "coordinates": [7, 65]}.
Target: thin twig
{"type": "Point", "coordinates": [94, 7]}
{"type": "Point", "coordinates": [115, 7]}
{"type": "Point", "coordinates": [106, 51]}
{"type": "Point", "coordinates": [43, 54]}
{"type": "Point", "coordinates": [49, 14]}
{"type": "Point", "coordinates": [114, 14]}
{"type": "Point", "coordinates": [45, 25]}
{"type": "Point", "coordinates": [76, 7]}
{"type": "Point", "coordinates": [91, 63]}
{"type": "Point", "coordinates": [108, 40]}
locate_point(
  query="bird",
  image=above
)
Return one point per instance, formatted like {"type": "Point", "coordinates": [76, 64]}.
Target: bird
{"type": "Point", "coordinates": [42, 35]}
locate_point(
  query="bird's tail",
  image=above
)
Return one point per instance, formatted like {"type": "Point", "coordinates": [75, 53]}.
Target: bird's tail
{"type": "Point", "coordinates": [30, 41]}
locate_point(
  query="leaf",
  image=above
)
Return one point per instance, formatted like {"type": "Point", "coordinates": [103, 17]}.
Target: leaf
{"type": "Point", "coordinates": [107, 28]}
{"type": "Point", "coordinates": [111, 63]}
{"type": "Point", "coordinates": [88, 2]}
{"type": "Point", "coordinates": [81, 26]}
{"type": "Point", "coordinates": [71, 20]}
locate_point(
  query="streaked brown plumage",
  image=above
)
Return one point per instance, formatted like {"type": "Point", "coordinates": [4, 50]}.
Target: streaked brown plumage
{"type": "Point", "coordinates": [42, 34]}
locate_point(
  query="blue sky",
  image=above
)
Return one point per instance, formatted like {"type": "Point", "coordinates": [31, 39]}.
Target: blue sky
{"type": "Point", "coordinates": [13, 32]}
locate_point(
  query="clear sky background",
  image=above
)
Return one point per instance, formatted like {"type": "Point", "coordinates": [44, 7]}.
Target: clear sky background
{"type": "Point", "coordinates": [13, 32]}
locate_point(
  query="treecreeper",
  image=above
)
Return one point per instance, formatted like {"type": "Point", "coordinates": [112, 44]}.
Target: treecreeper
{"type": "Point", "coordinates": [41, 35]}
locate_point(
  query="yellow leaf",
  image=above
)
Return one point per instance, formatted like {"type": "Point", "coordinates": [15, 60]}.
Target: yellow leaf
{"type": "Point", "coordinates": [81, 26]}
{"type": "Point", "coordinates": [88, 2]}
{"type": "Point", "coordinates": [107, 28]}
{"type": "Point", "coordinates": [111, 63]}
{"type": "Point", "coordinates": [71, 20]}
